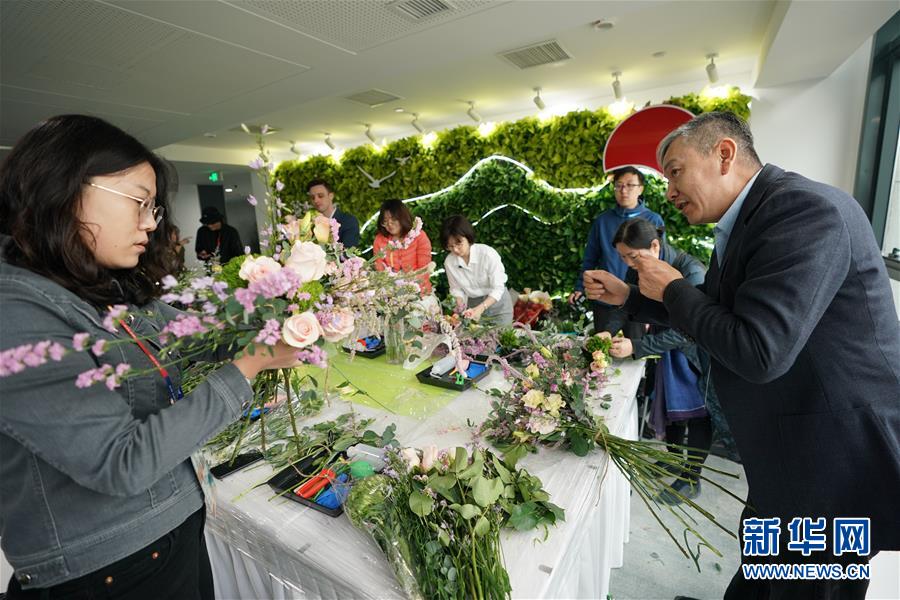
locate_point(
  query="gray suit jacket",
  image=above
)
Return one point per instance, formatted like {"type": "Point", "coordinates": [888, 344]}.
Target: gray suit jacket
{"type": "Point", "coordinates": [805, 346]}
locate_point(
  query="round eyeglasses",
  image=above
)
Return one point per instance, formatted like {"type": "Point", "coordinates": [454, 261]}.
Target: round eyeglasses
{"type": "Point", "coordinates": [147, 205]}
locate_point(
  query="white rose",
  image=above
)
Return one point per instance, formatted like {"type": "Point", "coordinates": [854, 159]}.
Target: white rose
{"type": "Point", "coordinates": [254, 269]}
{"type": "Point", "coordinates": [337, 325]}
{"type": "Point", "coordinates": [301, 330]}
{"type": "Point", "coordinates": [429, 455]}
{"type": "Point", "coordinates": [411, 456]}
{"type": "Point", "coordinates": [307, 260]}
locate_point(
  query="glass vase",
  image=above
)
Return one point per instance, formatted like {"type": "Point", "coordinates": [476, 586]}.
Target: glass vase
{"type": "Point", "coordinates": [394, 345]}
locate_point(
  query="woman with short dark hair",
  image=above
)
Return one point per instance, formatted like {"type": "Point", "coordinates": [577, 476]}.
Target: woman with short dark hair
{"type": "Point", "coordinates": [99, 498]}
{"type": "Point", "coordinates": [401, 244]}
{"type": "Point", "coordinates": [475, 273]}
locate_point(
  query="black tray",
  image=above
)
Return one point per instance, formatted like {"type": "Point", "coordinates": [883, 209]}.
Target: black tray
{"type": "Point", "coordinates": [288, 479]}
{"type": "Point", "coordinates": [502, 353]}
{"type": "Point", "coordinates": [226, 468]}
{"type": "Point", "coordinates": [424, 376]}
{"type": "Point", "coordinates": [378, 351]}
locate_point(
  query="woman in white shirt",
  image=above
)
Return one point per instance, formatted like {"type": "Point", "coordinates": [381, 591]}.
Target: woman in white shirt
{"type": "Point", "coordinates": [476, 274]}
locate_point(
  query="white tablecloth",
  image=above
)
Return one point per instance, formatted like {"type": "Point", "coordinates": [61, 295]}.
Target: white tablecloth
{"type": "Point", "coordinates": [266, 547]}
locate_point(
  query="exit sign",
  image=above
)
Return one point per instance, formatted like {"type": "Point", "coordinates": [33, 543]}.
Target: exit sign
{"type": "Point", "coordinates": [215, 176]}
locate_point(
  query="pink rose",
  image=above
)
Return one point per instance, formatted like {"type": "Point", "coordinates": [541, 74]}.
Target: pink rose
{"type": "Point", "coordinates": [322, 229]}
{"type": "Point", "coordinates": [254, 269]}
{"type": "Point", "coordinates": [337, 325]}
{"type": "Point", "coordinates": [307, 260]}
{"type": "Point", "coordinates": [301, 330]}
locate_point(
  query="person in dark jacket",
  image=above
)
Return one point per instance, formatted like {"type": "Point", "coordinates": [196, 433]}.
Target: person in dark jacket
{"type": "Point", "coordinates": [678, 413]}
{"type": "Point", "coordinates": [628, 185]}
{"type": "Point", "coordinates": [98, 497]}
{"type": "Point", "coordinates": [797, 315]}
{"type": "Point", "coordinates": [216, 239]}
{"type": "Point", "coordinates": [321, 195]}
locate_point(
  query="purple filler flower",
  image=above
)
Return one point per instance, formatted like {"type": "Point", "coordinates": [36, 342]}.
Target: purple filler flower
{"type": "Point", "coordinates": [80, 341]}
{"type": "Point", "coordinates": [251, 200]}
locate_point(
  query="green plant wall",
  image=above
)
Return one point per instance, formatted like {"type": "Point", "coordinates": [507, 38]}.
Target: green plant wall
{"type": "Point", "coordinates": [541, 248]}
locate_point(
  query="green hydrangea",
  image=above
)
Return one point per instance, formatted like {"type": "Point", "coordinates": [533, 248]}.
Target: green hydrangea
{"type": "Point", "coordinates": [229, 273]}
{"type": "Point", "coordinates": [315, 290]}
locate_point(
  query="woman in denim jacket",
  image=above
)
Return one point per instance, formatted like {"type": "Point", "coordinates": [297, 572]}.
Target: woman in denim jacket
{"type": "Point", "coordinates": [97, 493]}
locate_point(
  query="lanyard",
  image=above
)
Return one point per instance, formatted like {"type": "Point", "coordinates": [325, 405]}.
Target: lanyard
{"type": "Point", "coordinates": [174, 395]}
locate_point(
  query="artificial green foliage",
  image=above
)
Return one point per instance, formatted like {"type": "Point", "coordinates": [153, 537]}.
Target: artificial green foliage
{"type": "Point", "coordinates": [565, 152]}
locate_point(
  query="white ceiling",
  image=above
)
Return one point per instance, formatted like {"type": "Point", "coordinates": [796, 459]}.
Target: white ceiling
{"type": "Point", "coordinates": [169, 72]}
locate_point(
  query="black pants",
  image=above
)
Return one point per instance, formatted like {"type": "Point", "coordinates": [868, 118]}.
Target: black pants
{"type": "Point", "coordinates": [786, 589]}
{"type": "Point", "coordinates": [175, 566]}
{"type": "Point", "coordinates": [696, 434]}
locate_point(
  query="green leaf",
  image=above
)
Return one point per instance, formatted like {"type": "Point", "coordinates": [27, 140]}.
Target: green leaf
{"type": "Point", "coordinates": [502, 471]}
{"type": "Point", "coordinates": [512, 456]}
{"type": "Point", "coordinates": [460, 460]}
{"type": "Point", "coordinates": [445, 485]}
{"type": "Point", "coordinates": [475, 468]}
{"type": "Point", "coordinates": [579, 444]}
{"type": "Point", "coordinates": [523, 517]}
{"type": "Point", "coordinates": [486, 491]}
{"type": "Point", "coordinates": [482, 526]}
{"type": "Point", "coordinates": [421, 504]}
{"type": "Point", "coordinates": [467, 511]}
{"type": "Point", "coordinates": [443, 538]}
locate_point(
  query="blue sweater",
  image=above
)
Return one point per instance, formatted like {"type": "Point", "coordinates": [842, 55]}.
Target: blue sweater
{"type": "Point", "coordinates": [599, 252]}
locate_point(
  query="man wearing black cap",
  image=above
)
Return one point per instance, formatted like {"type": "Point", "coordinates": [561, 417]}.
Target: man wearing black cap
{"type": "Point", "coordinates": [216, 238]}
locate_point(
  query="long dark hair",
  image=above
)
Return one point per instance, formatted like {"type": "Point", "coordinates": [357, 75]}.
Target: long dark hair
{"type": "Point", "coordinates": [398, 211]}
{"type": "Point", "coordinates": [637, 233]}
{"type": "Point", "coordinates": [41, 184]}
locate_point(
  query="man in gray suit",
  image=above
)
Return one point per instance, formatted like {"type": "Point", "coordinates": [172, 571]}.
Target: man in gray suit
{"type": "Point", "coordinates": [797, 316]}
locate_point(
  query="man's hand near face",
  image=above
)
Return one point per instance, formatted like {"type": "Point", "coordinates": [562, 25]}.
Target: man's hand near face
{"type": "Point", "coordinates": [654, 275]}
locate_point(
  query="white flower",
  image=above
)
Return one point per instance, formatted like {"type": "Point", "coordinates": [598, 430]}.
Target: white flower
{"type": "Point", "coordinates": [542, 424]}
{"type": "Point", "coordinates": [337, 325]}
{"type": "Point", "coordinates": [411, 456]}
{"type": "Point", "coordinates": [532, 371]}
{"type": "Point", "coordinates": [429, 455]}
{"type": "Point", "coordinates": [307, 260]}
{"type": "Point", "coordinates": [322, 229]}
{"type": "Point", "coordinates": [301, 330]}
{"type": "Point", "coordinates": [254, 269]}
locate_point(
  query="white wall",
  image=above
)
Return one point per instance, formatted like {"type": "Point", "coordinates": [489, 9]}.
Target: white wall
{"type": "Point", "coordinates": [813, 127]}
{"type": "Point", "coordinates": [186, 214]}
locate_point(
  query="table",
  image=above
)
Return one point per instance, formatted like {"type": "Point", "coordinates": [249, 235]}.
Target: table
{"type": "Point", "coordinates": [265, 547]}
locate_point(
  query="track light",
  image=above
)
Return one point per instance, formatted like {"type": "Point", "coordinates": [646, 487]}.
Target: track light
{"type": "Point", "coordinates": [537, 99]}
{"type": "Point", "coordinates": [471, 112]}
{"type": "Point", "coordinates": [415, 123]}
{"type": "Point", "coordinates": [328, 141]}
{"type": "Point", "coordinates": [294, 148]}
{"type": "Point", "coordinates": [369, 133]}
{"type": "Point", "coordinates": [617, 85]}
{"type": "Point", "coordinates": [711, 71]}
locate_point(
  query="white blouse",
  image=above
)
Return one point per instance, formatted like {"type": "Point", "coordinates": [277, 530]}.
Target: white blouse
{"type": "Point", "coordinates": [483, 276]}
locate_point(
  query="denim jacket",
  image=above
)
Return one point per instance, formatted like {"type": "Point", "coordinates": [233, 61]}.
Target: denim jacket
{"type": "Point", "coordinates": [90, 476]}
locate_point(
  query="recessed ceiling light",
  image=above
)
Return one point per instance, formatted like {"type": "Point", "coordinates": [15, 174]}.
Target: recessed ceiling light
{"type": "Point", "coordinates": [603, 24]}
{"type": "Point", "coordinates": [398, 109]}
{"type": "Point", "coordinates": [229, 189]}
{"type": "Point", "coordinates": [659, 54]}
{"type": "Point", "coordinates": [209, 135]}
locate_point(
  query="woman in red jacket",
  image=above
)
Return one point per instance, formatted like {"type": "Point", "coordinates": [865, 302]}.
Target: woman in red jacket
{"type": "Point", "coordinates": [400, 244]}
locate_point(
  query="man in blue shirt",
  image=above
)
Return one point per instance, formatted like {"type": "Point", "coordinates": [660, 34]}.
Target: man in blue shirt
{"type": "Point", "coordinates": [599, 253]}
